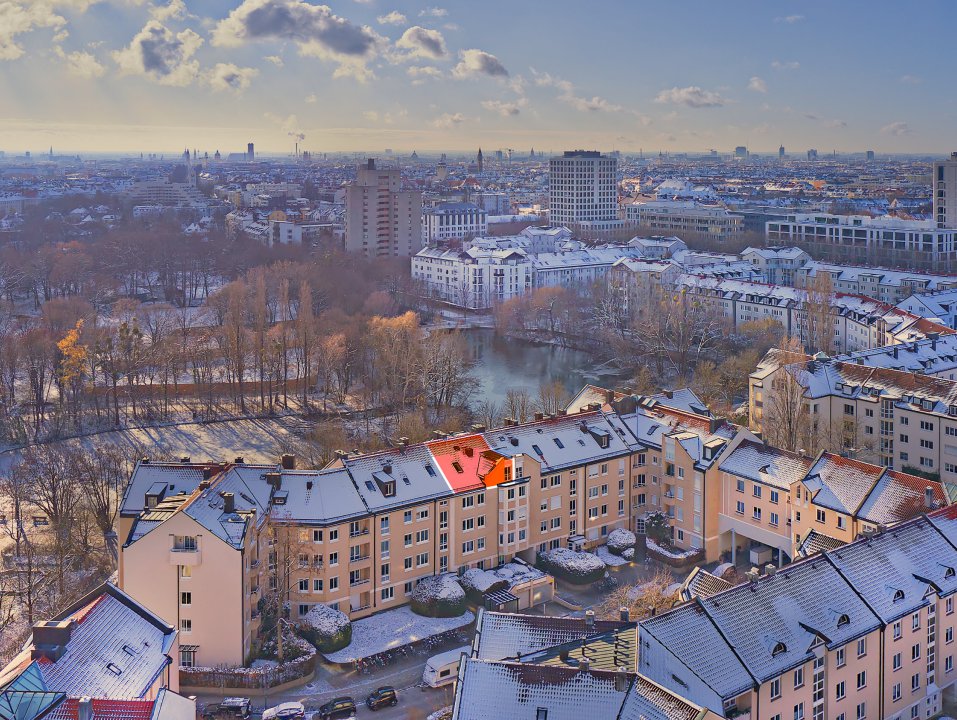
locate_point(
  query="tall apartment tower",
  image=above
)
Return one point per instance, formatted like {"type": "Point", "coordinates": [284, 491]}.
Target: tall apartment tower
{"type": "Point", "coordinates": [382, 219]}
{"type": "Point", "coordinates": [250, 152]}
{"type": "Point", "coordinates": [583, 192]}
{"type": "Point", "coordinates": [945, 192]}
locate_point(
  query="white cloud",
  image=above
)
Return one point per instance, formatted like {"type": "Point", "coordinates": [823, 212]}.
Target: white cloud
{"type": "Point", "coordinates": [503, 108]}
{"type": "Point", "coordinates": [316, 30]}
{"type": "Point", "coordinates": [421, 73]}
{"type": "Point", "coordinates": [174, 10]}
{"type": "Point", "coordinates": [691, 96]}
{"type": "Point", "coordinates": [791, 65]}
{"type": "Point", "coordinates": [226, 76]}
{"type": "Point", "coordinates": [448, 120]}
{"type": "Point", "coordinates": [388, 118]}
{"type": "Point", "coordinates": [81, 64]}
{"type": "Point", "coordinates": [17, 18]}
{"type": "Point", "coordinates": [392, 18]}
{"type": "Point", "coordinates": [835, 123]}
{"type": "Point", "coordinates": [897, 129]}
{"type": "Point", "coordinates": [567, 94]}
{"type": "Point", "coordinates": [420, 42]}
{"type": "Point", "coordinates": [789, 19]}
{"type": "Point", "coordinates": [757, 85]}
{"type": "Point", "coordinates": [288, 124]}
{"type": "Point", "coordinates": [275, 60]}
{"type": "Point", "coordinates": [161, 55]}
{"type": "Point", "coordinates": [435, 12]}
{"type": "Point", "coordinates": [478, 62]}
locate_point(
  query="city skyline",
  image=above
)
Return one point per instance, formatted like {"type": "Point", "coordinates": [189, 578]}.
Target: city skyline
{"type": "Point", "coordinates": [130, 75]}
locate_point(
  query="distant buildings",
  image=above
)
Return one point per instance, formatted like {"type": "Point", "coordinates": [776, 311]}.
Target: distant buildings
{"type": "Point", "coordinates": [583, 192]}
{"type": "Point", "coordinates": [915, 244]}
{"type": "Point", "coordinates": [381, 218]}
{"type": "Point", "coordinates": [453, 221]}
{"type": "Point", "coordinates": [945, 192]}
{"type": "Point", "coordinates": [676, 217]}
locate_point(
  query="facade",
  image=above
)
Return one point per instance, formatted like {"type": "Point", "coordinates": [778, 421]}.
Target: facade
{"type": "Point", "coordinates": [777, 265]}
{"type": "Point", "coordinates": [453, 221]}
{"type": "Point", "coordinates": [583, 192]}
{"type": "Point", "coordinates": [888, 286]}
{"type": "Point", "coordinates": [382, 219]}
{"type": "Point", "coordinates": [866, 630]}
{"type": "Point", "coordinates": [917, 244]}
{"type": "Point", "coordinates": [945, 192]}
{"type": "Point", "coordinates": [940, 306]}
{"type": "Point", "coordinates": [678, 217]}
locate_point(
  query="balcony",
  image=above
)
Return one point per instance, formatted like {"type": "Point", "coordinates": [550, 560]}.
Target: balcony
{"type": "Point", "coordinates": [183, 556]}
{"type": "Point", "coordinates": [359, 533]}
{"type": "Point", "coordinates": [360, 608]}
{"type": "Point", "coordinates": [359, 559]}
{"type": "Point", "coordinates": [253, 564]}
{"type": "Point", "coordinates": [360, 581]}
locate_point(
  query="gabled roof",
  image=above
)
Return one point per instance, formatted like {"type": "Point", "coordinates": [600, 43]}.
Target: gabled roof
{"type": "Point", "coordinates": [501, 636]}
{"type": "Point", "coordinates": [765, 464]}
{"type": "Point", "coordinates": [412, 469]}
{"type": "Point", "coordinates": [701, 583]}
{"type": "Point", "coordinates": [816, 542]}
{"type": "Point", "coordinates": [898, 497]}
{"type": "Point", "coordinates": [840, 483]}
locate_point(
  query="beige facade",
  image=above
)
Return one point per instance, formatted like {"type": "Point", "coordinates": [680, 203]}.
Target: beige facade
{"type": "Point", "coordinates": [382, 219]}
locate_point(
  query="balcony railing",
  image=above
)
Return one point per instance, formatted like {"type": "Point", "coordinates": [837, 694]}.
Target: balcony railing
{"type": "Point", "coordinates": [359, 533]}
{"type": "Point", "coordinates": [357, 583]}
{"type": "Point", "coordinates": [359, 559]}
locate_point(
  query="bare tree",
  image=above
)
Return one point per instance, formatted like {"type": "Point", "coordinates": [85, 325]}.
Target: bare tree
{"type": "Point", "coordinates": [517, 404]}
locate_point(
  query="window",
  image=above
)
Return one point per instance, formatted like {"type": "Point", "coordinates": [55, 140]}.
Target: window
{"type": "Point", "coordinates": [775, 688]}
{"type": "Point", "coordinates": [774, 496]}
{"type": "Point", "coordinates": [821, 516]}
{"type": "Point", "coordinates": [862, 647]}
{"type": "Point", "coordinates": [949, 606]}
{"type": "Point", "coordinates": [383, 525]}
{"type": "Point", "coordinates": [915, 621]}
{"type": "Point", "coordinates": [841, 522]}
{"type": "Point", "coordinates": [317, 585]}
{"type": "Point", "coordinates": [896, 692]}
{"type": "Point", "coordinates": [333, 558]}
{"type": "Point", "coordinates": [949, 664]}
{"type": "Point", "coordinates": [468, 501]}
{"type": "Point", "coordinates": [333, 535]}
{"type": "Point", "coordinates": [756, 491]}
{"type": "Point", "coordinates": [184, 543]}
{"type": "Point", "coordinates": [422, 514]}
{"type": "Point", "coordinates": [185, 625]}
{"type": "Point", "coordinates": [407, 540]}
{"type": "Point", "coordinates": [384, 548]}
{"type": "Point", "coordinates": [756, 513]}
{"type": "Point", "coordinates": [798, 678]}
{"type": "Point", "coordinates": [740, 486]}
{"type": "Point", "coordinates": [799, 711]}
{"type": "Point", "coordinates": [897, 630]}
{"type": "Point", "coordinates": [317, 534]}
{"type": "Point", "coordinates": [774, 519]}
{"type": "Point", "coordinates": [915, 682]}
{"type": "Point", "coordinates": [915, 652]}
{"type": "Point", "coordinates": [185, 572]}
{"type": "Point", "coordinates": [896, 661]}
{"type": "Point", "coordinates": [407, 588]}
{"type": "Point", "coordinates": [333, 583]}
{"type": "Point", "coordinates": [387, 594]}
{"type": "Point", "coordinates": [861, 711]}
{"type": "Point", "coordinates": [187, 656]}
{"type": "Point", "coordinates": [841, 661]}
{"type": "Point", "coordinates": [949, 635]}
{"type": "Point", "coordinates": [421, 559]}
{"type": "Point", "coordinates": [407, 516]}
{"type": "Point", "coordinates": [861, 679]}
{"type": "Point", "coordinates": [186, 598]}
{"type": "Point", "coordinates": [740, 508]}
{"type": "Point", "coordinates": [839, 691]}
{"type": "Point", "coordinates": [407, 563]}
{"type": "Point", "coordinates": [303, 585]}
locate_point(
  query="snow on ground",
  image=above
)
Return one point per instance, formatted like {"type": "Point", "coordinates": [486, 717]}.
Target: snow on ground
{"type": "Point", "coordinates": [391, 629]}
{"type": "Point", "coordinates": [263, 664]}
{"type": "Point", "coordinates": [670, 552]}
{"type": "Point", "coordinates": [607, 557]}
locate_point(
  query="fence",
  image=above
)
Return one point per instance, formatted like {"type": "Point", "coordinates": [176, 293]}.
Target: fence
{"type": "Point", "coordinates": [248, 678]}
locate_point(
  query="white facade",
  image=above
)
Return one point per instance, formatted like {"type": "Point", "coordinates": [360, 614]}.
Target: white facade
{"type": "Point", "coordinates": [669, 216]}
{"type": "Point", "coordinates": [777, 264]}
{"type": "Point", "coordinates": [583, 191]}
{"type": "Point", "coordinates": [453, 221]}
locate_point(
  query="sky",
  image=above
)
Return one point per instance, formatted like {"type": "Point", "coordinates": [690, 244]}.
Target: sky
{"type": "Point", "coordinates": [365, 75]}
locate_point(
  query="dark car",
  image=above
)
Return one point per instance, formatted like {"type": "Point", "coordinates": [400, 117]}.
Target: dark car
{"type": "Point", "coordinates": [383, 697]}
{"type": "Point", "coordinates": [231, 707]}
{"type": "Point", "coordinates": [341, 707]}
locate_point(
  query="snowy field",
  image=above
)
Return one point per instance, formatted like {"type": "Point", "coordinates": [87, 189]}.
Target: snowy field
{"type": "Point", "coordinates": [391, 629]}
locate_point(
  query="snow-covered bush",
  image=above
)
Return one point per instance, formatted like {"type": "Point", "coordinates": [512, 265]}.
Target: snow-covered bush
{"type": "Point", "coordinates": [628, 553]}
{"type": "Point", "coordinates": [328, 629]}
{"type": "Point", "coordinates": [477, 582]}
{"type": "Point", "coordinates": [294, 647]}
{"type": "Point", "coordinates": [579, 568]}
{"type": "Point", "coordinates": [438, 596]}
{"type": "Point", "coordinates": [620, 540]}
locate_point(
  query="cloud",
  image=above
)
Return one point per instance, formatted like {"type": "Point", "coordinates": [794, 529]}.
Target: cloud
{"type": "Point", "coordinates": [897, 129]}
{"type": "Point", "coordinates": [835, 123]}
{"type": "Point", "coordinates": [757, 85]}
{"type": "Point", "coordinates": [226, 76]}
{"type": "Point", "coordinates": [448, 120]}
{"type": "Point", "coordinates": [275, 60]}
{"type": "Point", "coordinates": [288, 124]}
{"type": "Point", "coordinates": [392, 18]}
{"type": "Point", "coordinates": [567, 94]}
{"type": "Point", "coordinates": [81, 64]}
{"type": "Point", "coordinates": [791, 65]}
{"type": "Point", "coordinates": [174, 10]}
{"type": "Point", "coordinates": [420, 73]}
{"type": "Point", "coordinates": [911, 79]}
{"type": "Point", "coordinates": [17, 18]}
{"type": "Point", "coordinates": [691, 96]}
{"type": "Point", "coordinates": [387, 118]}
{"type": "Point", "coordinates": [161, 55]}
{"type": "Point", "coordinates": [503, 108]}
{"type": "Point", "coordinates": [419, 42]}
{"type": "Point", "coordinates": [478, 62]}
{"type": "Point", "coordinates": [789, 19]}
{"type": "Point", "coordinates": [316, 30]}
{"type": "Point", "coordinates": [435, 12]}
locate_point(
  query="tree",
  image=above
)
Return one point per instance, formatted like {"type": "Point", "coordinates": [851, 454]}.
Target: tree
{"type": "Point", "coordinates": [552, 397]}
{"type": "Point", "coordinates": [818, 326]}
{"type": "Point", "coordinates": [649, 598]}
{"type": "Point", "coordinates": [785, 420]}
{"type": "Point", "coordinates": [73, 357]}
{"type": "Point", "coordinates": [517, 404]}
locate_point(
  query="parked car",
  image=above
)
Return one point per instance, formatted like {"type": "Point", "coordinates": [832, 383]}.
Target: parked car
{"type": "Point", "coordinates": [231, 707]}
{"type": "Point", "coordinates": [384, 696]}
{"type": "Point", "coordinates": [340, 707]}
{"type": "Point", "coordinates": [286, 711]}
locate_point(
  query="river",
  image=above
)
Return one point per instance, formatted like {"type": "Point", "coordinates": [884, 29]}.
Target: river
{"type": "Point", "coordinates": [504, 363]}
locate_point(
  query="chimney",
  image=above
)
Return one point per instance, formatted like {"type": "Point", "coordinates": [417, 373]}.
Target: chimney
{"type": "Point", "coordinates": [274, 479]}
{"type": "Point", "coordinates": [287, 461]}
{"type": "Point", "coordinates": [145, 461]}
{"type": "Point", "coordinates": [934, 337]}
{"type": "Point", "coordinates": [84, 709]}
{"type": "Point", "coordinates": [609, 396]}
{"type": "Point", "coordinates": [341, 454]}
{"type": "Point", "coordinates": [387, 468]}
{"type": "Point", "coordinates": [589, 619]}
{"type": "Point", "coordinates": [370, 164]}
{"type": "Point", "coordinates": [207, 473]}
{"type": "Point", "coordinates": [184, 459]}
{"type": "Point", "coordinates": [562, 413]}
{"type": "Point", "coordinates": [229, 503]}
{"type": "Point", "coordinates": [584, 664]}
{"type": "Point", "coordinates": [753, 574]}
{"type": "Point", "coordinates": [50, 638]}
{"type": "Point", "coordinates": [625, 614]}
{"type": "Point", "coordinates": [539, 416]}
{"type": "Point", "coordinates": [929, 497]}
{"type": "Point", "coordinates": [478, 427]}
{"type": "Point", "coordinates": [621, 680]}
{"type": "Point", "coordinates": [652, 611]}
{"type": "Point", "coordinates": [404, 442]}
{"type": "Point", "coordinates": [770, 569]}
{"type": "Point", "coordinates": [240, 460]}
{"type": "Point", "coordinates": [895, 352]}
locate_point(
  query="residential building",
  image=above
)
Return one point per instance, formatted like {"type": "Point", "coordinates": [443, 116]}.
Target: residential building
{"type": "Point", "coordinates": [939, 306]}
{"type": "Point", "coordinates": [453, 221]}
{"type": "Point", "coordinates": [106, 656]}
{"type": "Point", "coordinates": [777, 265]}
{"type": "Point", "coordinates": [945, 192]}
{"type": "Point", "coordinates": [583, 192]}
{"type": "Point", "coordinates": [684, 216]}
{"type": "Point", "coordinates": [887, 286]}
{"type": "Point", "coordinates": [934, 355]}
{"type": "Point", "coordinates": [860, 239]}
{"type": "Point", "coordinates": [382, 219]}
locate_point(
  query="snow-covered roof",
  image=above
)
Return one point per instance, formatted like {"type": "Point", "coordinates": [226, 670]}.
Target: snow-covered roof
{"type": "Point", "coordinates": [765, 464]}
{"type": "Point", "coordinates": [500, 636]}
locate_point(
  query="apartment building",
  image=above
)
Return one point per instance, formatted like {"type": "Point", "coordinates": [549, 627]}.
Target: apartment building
{"type": "Point", "coordinates": [939, 306]}
{"type": "Point", "coordinates": [382, 219]}
{"type": "Point", "coordinates": [860, 239]}
{"type": "Point", "coordinates": [887, 286]}
{"type": "Point", "coordinates": [934, 355]}
{"type": "Point", "coordinates": [453, 221]}
{"type": "Point", "coordinates": [771, 498]}
{"type": "Point", "coordinates": [777, 265]}
{"type": "Point", "coordinates": [863, 631]}
{"type": "Point", "coordinates": [583, 192]}
{"type": "Point", "coordinates": [900, 420]}
{"type": "Point", "coordinates": [684, 216]}
{"type": "Point", "coordinates": [945, 192]}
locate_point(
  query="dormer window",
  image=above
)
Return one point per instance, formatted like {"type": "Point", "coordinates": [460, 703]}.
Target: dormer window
{"type": "Point", "coordinates": [779, 647]}
{"type": "Point", "coordinates": [949, 572]}
{"type": "Point", "coordinates": [843, 620]}
{"type": "Point", "coordinates": [898, 595]}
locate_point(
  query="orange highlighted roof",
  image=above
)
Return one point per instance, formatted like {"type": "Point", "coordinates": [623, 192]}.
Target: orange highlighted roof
{"type": "Point", "coordinates": [467, 462]}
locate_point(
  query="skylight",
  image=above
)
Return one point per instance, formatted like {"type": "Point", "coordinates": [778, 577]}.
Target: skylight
{"type": "Point", "coordinates": [429, 469]}
{"type": "Point", "coordinates": [559, 443]}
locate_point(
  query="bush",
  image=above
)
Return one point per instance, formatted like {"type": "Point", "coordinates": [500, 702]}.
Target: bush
{"type": "Point", "coordinates": [578, 568]}
{"type": "Point", "coordinates": [438, 596]}
{"type": "Point", "coordinates": [477, 582]}
{"type": "Point", "coordinates": [620, 540]}
{"type": "Point", "coordinates": [326, 628]}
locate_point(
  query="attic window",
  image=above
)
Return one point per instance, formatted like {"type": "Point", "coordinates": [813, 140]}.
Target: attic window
{"type": "Point", "coordinates": [843, 620]}
{"type": "Point", "coordinates": [581, 442]}
{"type": "Point", "coordinates": [370, 485]}
{"type": "Point", "coordinates": [129, 651]}
{"type": "Point", "coordinates": [409, 482]}
{"type": "Point", "coordinates": [538, 450]}
{"type": "Point", "coordinates": [457, 466]}
{"type": "Point", "coordinates": [559, 444]}
{"type": "Point", "coordinates": [429, 469]}
{"type": "Point", "coordinates": [949, 572]}
{"type": "Point", "coordinates": [115, 669]}
{"type": "Point", "coordinates": [779, 648]}
{"type": "Point", "coordinates": [898, 595]}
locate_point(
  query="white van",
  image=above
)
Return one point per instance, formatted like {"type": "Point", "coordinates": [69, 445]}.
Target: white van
{"type": "Point", "coordinates": [442, 669]}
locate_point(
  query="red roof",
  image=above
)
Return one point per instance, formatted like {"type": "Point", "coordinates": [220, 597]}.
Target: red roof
{"type": "Point", "coordinates": [106, 710]}
{"type": "Point", "coordinates": [463, 460]}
